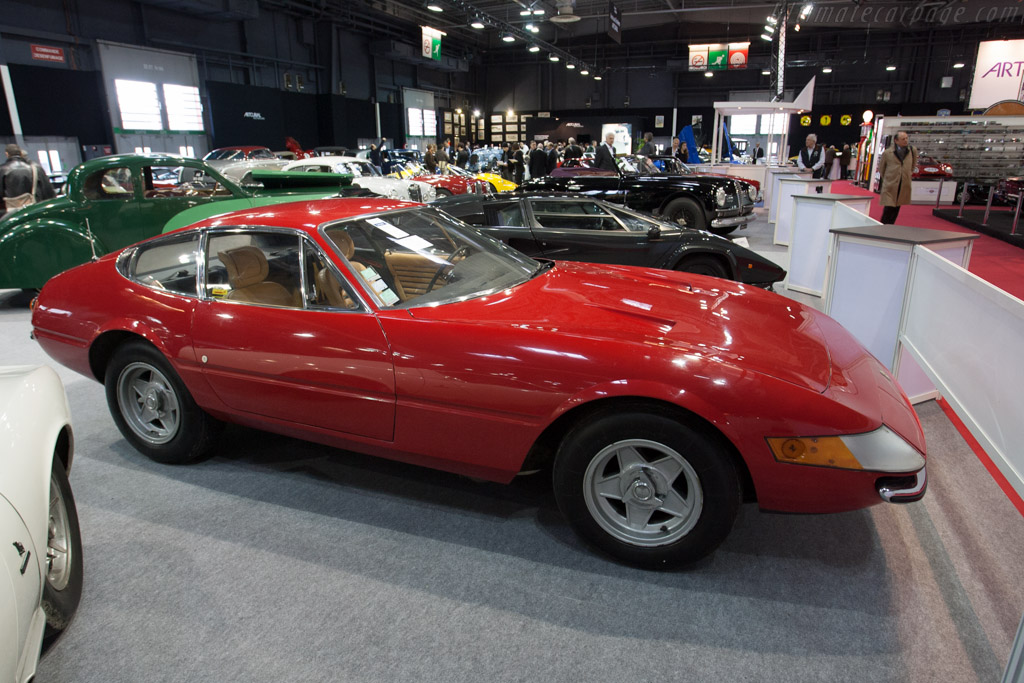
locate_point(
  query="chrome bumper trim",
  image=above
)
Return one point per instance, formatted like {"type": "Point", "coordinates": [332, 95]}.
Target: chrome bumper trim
{"type": "Point", "coordinates": [907, 494]}
{"type": "Point", "coordinates": [734, 220]}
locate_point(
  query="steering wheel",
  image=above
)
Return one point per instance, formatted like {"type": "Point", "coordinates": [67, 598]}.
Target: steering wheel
{"type": "Point", "coordinates": [449, 266]}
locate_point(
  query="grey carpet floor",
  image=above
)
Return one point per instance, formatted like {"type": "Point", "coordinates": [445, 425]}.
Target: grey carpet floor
{"type": "Point", "coordinates": [279, 560]}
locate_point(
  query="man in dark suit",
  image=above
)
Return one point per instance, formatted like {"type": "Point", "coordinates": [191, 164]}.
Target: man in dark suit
{"type": "Point", "coordinates": [538, 162]}
{"type": "Point", "coordinates": [572, 150]}
{"type": "Point", "coordinates": [605, 155]}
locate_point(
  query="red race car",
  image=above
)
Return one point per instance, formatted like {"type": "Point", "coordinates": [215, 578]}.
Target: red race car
{"type": "Point", "coordinates": [929, 168]}
{"type": "Point", "coordinates": [445, 184]}
{"type": "Point", "coordinates": [659, 400]}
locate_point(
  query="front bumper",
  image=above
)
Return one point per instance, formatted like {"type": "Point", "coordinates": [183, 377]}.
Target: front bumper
{"type": "Point", "coordinates": [732, 221]}
{"type": "Point", "coordinates": [907, 489]}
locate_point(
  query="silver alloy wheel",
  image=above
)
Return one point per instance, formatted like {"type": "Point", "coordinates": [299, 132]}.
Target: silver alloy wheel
{"type": "Point", "coordinates": [149, 403]}
{"type": "Point", "coordinates": [643, 492]}
{"type": "Point", "coordinates": [58, 540]}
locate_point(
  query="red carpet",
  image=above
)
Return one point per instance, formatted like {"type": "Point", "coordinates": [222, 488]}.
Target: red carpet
{"type": "Point", "coordinates": [996, 262]}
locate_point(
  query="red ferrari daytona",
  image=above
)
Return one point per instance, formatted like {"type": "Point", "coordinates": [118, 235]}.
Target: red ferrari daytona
{"type": "Point", "coordinates": [659, 400]}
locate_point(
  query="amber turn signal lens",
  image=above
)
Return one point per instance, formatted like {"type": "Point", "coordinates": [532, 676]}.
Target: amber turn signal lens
{"type": "Point", "coordinates": [825, 451]}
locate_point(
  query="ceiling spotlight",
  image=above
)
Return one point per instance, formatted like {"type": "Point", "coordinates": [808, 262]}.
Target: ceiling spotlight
{"type": "Point", "coordinates": [826, 70]}
{"type": "Point", "coordinates": [524, 12]}
{"type": "Point", "coordinates": [529, 27]}
{"type": "Point", "coordinates": [766, 72]}
{"type": "Point", "coordinates": [796, 28]}
{"type": "Point", "coordinates": [534, 48]}
{"type": "Point", "coordinates": [476, 112]}
{"type": "Point", "coordinates": [511, 112]}
{"type": "Point", "coordinates": [597, 78]}
{"type": "Point", "coordinates": [477, 24]}
{"type": "Point", "coordinates": [768, 28]}
{"type": "Point", "coordinates": [539, 11]}
{"type": "Point", "coordinates": [508, 38]}
{"type": "Point", "coordinates": [553, 57]}
{"type": "Point", "coordinates": [570, 65]}
{"type": "Point", "coordinates": [890, 68]}
{"type": "Point", "coordinates": [806, 10]}
{"type": "Point", "coordinates": [434, 7]}
{"type": "Point", "coordinates": [709, 74]}
{"type": "Point", "coordinates": [584, 72]}
{"type": "Point", "coordinates": [772, 20]}
{"type": "Point", "coordinates": [958, 65]}
{"type": "Point", "coordinates": [765, 36]}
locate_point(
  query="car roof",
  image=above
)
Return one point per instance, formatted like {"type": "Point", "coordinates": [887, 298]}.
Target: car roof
{"type": "Point", "coordinates": [305, 215]}
{"type": "Point", "coordinates": [242, 148]}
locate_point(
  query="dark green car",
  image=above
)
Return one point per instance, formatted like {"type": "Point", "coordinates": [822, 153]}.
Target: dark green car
{"type": "Point", "coordinates": [112, 202]}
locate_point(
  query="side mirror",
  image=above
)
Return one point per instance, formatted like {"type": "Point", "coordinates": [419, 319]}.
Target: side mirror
{"type": "Point", "coordinates": [654, 233]}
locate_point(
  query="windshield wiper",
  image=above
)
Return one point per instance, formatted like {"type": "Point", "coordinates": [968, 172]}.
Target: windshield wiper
{"type": "Point", "coordinates": [544, 266]}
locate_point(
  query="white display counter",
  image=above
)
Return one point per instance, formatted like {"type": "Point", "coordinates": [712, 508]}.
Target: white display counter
{"type": "Point", "coordinates": [788, 187]}
{"type": "Point", "coordinates": [771, 190]}
{"type": "Point", "coordinates": [868, 278]}
{"type": "Point", "coordinates": [814, 216]}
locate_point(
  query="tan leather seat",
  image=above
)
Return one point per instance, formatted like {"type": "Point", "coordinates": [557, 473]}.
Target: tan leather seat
{"type": "Point", "coordinates": [328, 284]}
{"type": "Point", "coordinates": [412, 274]}
{"type": "Point", "coordinates": [247, 273]}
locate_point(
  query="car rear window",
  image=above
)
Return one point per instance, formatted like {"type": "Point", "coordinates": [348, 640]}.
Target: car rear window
{"type": "Point", "coordinates": [168, 264]}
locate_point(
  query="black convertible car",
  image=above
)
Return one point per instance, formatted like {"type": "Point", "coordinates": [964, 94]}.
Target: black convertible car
{"type": "Point", "coordinates": [703, 202]}
{"type": "Point", "coordinates": [575, 228]}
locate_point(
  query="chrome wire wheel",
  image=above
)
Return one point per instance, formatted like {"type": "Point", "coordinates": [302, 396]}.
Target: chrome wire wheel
{"type": "Point", "coordinates": [59, 549]}
{"type": "Point", "coordinates": [643, 492]}
{"type": "Point", "coordinates": [148, 403]}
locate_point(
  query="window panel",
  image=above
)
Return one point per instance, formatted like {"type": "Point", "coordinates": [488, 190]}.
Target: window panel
{"type": "Point", "coordinates": [255, 268]}
{"type": "Point", "coordinates": [139, 105]}
{"type": "Point", "coordinates": [168, 264]}
{"type": "Point", "coordinates": [184, 110]}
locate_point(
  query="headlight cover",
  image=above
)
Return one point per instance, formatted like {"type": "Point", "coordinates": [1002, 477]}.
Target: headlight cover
{"type": "Point", "coordinates": [882, 450]}
{"type": "Point", "coordinates": [720, 196]}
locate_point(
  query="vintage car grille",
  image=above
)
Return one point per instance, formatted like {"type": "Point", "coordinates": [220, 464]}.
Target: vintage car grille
{"type": "Point", "coordinates": [741, 192]}
{"type": "Point", "coordinates": [414, 193]}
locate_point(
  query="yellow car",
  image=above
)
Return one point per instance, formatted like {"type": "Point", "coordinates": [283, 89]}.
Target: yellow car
{"type": "Point", "coordinates": [497, 182]}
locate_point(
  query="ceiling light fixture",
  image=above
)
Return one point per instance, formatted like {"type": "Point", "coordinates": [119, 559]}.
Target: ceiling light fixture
{"type": "Point", "coordinates": [826, 70]}
{"type": "Point", "coordinates": [584, 72]}
{"type": "Point", "coordinates": [806, 10]}
{"type": "Point", "coordinates": [553, 57]}
{"type": "Point", "coordinates": [890, 68]}
{"type": "Point", "coordinates": [508, 38]}
{"type": "Point", "coordinates": [772, 20]}
{"type": "Point", "coordinates": [539, 11]}
{"type": "Point", "coordinates": [476, 113]}
{"type": "Point", "coordinates": [766, 72]}
{"type": "Point", "coordinates": [797, 28]}
{"type": "Point", "coordinates": [570, 65]}
{"type": "Point", "coordinates": [511, 112]}
{"type": "Point", "coordinates": [768, 28]}
{"type": "Point", "coordinates": [534, 48]}
{"type": "Point", "coordinates": [597, 78]}
{"type": "Point", "coordinates": [709, 74]}
{"type": "Point", "coordinates": [765, 36]}
{"type": "Point", "coordinates": [477, 24]}
{"type": "Point", "coordinates": [525, 12]}
{"type": "Point", "coordinates": [434, 7]}
{"type": "Point", "coordinates": [958, 65]}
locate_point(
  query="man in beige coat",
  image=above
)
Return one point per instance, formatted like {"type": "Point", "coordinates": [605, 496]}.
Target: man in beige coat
{"type": "Point", "coordinates": [894, 171]}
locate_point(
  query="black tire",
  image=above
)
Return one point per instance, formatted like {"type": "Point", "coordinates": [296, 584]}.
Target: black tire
{"type": "Point", "coordinates": [686, 212]}
{"type": "Point", "coordinates": [62, 585]}
{"type": "Point", "coordinates": [600, 453]}
{"type": "Point", "coordinates": [153, 409]}
{"type": "Point", "coordinates": [702, 264]}
{"type": "Point", "coordinates": [442, 192]}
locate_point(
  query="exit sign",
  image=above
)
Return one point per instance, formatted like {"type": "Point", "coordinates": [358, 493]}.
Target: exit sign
{"type": "Point", "coordinates": [432, 43]}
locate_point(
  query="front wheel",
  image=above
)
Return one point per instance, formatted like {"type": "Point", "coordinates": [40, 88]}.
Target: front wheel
{"type": "Point", "coordinates": [646, 489]}
{"type": "Point", "coordinates": [442, 192]}
{"type": "Point", "coordinates": [62, 589]}
{"type": "Point", "coordinates": [153, 409]}
{"type": "Point", "coordinates": [686, 212]}
{"type": "Point", "coordinates": [703, 265]}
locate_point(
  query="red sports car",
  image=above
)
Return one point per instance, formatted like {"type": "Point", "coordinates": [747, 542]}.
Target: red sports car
{"type": "Point", "coordinates": [659, 400]}
{"type": "Point", "coordinates": [445, 184]}
{"type": "Point", "coordinates": [929, 167]}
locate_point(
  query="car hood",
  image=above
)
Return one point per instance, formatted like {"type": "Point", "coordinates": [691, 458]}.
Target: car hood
{"type": "Point", "coordinates": [672, 313]}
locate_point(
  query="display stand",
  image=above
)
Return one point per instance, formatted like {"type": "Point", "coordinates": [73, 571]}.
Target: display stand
{"type": "Point", "coordinates": [927, 192]}
{"type": "Point", "coordinates": [788, 187]}
{"type": "Point", "coordinates": [868, 276]}
{"type": "Point", "coordinates": [771, 191]}
{"type": "Point", "coordinates": [814, 215]}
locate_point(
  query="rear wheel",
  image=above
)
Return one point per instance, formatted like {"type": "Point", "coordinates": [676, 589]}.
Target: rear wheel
{"type": "Point", "coordinates": [703, 265]}
{"type": "Point", "coordinates": [442, 192]}
{"type": "Point", "coordinates": [153, 409]}
{"type": "Point", "coordinates": [646, 489]}
{"type": "Point", "coordinates": [62, 589]}
{"type": "Point", "coordinates": [686, 212]}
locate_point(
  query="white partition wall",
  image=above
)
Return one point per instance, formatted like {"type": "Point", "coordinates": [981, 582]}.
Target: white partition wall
{"type": "Point", "coordinates": [868, 284]}
{"type": "Point", "coordinates": [966, 335]}
{"type": "Point", "coordinates": [849, 217]}
{"type": "Point", "coordinates": [784, 202]}
{"type": "Point", "coordinates": [814, 215]}
{"type": "Point", "coordinates": [772, 189]}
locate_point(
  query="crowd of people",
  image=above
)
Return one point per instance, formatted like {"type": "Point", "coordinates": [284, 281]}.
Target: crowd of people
{"type": "Point", "coordinates": [820, 159]}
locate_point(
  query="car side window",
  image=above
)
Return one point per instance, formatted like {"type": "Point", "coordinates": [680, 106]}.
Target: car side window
{"type": "Point", "coordinates": [325, 288]}
{"type": "Point", "coordinates": [168, 264]}
{"type": "Point", "coordinates": [112, 183]}
{"type": "Point", "coordinates": [254, 267]}
{"type": "Point", "coordinates": [566, 215]}
{"type": "Point", "coordinates": [511, 216]}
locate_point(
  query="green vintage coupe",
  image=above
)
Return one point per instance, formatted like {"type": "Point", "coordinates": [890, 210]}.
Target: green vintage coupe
{"type": "Point", "coordinates": [114, 201]}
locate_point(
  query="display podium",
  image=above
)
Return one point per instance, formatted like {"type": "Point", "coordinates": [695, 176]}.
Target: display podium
{"type": "Point", "coordinates": [814, 215]}
{"type": "Point", "coordinates": [788, 187]}
{"type": "Point", "coordinates": [868, 276]}
{"type": "Point", "coordinates": [770, 190]}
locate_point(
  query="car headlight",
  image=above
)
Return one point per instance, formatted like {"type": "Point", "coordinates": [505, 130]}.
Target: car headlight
{"type": "Point", "coordinates": [414, 193]}
{"type": "Point", "coordinates": [752, 193]}
{"type": "Point", "coordinates": [882, 450]}
{"type": "Point", "coordinates": [720, 196]}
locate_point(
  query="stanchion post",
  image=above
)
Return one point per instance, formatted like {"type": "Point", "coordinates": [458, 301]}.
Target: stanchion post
{"type": "Point", "coordinates": [988, 204]}
{"type": "Point", "coordinates": [938, 197]}
{"type": "Point", "coordinates": [1016, 213]}
{"type": "Point", "coordinates": [963, 200]}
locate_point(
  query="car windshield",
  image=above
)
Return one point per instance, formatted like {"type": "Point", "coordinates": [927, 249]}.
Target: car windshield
{"type": "Point", "coordinates": [262, 154]}
{"type": "Point", "coordinates": [641, 165]}
{"type": "Point", "coordinates": [224, 154]}
{"type": "Point", "coordinates": [424, 257]}
{"type": "Point", "coordinates": [359, 169]}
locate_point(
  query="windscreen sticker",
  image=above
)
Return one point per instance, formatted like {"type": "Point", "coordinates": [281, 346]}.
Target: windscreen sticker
{"type": "Point", "coordinates": [389, 297]}
{"type": "Point", "coordinates": [395, 232]}
{"type": "Point", "coordinates": [369, 274]}
{"type": "Point", "coordinates": [415, 243]}
{"type": "Point", "coordinates": [379, 285]}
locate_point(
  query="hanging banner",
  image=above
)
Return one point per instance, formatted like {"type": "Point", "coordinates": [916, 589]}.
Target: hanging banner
{"type": "Point", "coordinates": [718, 56]}
{"type": "Point", "coordinates": [432, 43]}
{"type": "Point", "coordinates": [614, 23]}
{"type": "Point", "coordinates": [698, 58]}
{"type": "Point", "coordinates": [998, 74]}
{"type": "Point", "coordinates": [738, 55]}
